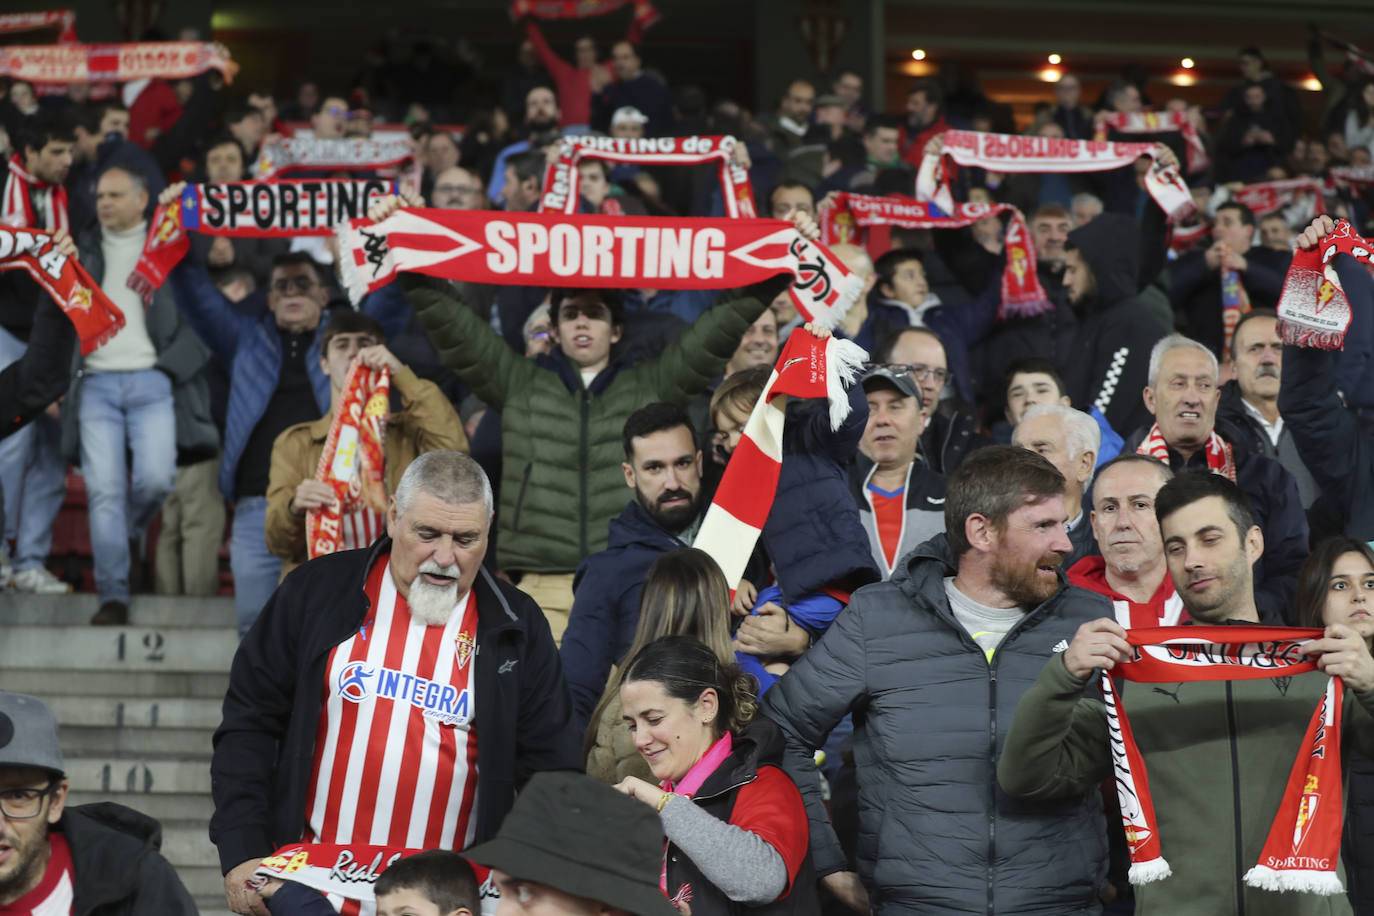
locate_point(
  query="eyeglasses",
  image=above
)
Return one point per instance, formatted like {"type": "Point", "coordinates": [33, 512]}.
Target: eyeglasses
{"type": "Point", "coordinates": [594, 312]}
{"type": "Point", "coordinates": [302, 284]}
{"type": "Point", "coordinates": [917, 371]}
{"type": "Point", "coordinates": [19, 804]}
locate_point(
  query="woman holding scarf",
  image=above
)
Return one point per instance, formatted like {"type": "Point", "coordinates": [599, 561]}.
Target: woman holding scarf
{"type": "Point", "coordinates": [735, 828]}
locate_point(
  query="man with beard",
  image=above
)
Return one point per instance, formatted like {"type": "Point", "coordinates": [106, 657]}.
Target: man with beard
{"type": "Point", "coordinates": [98, 859]}
{"type": "Point", "coordinates": [932, 663]}
{"type": "Point", "coordinates": [1218, 753]}
{"type": "Point", "coordinates": [541, 129]}
{"type": "Point", "coordinates": [398, 695]}
{"type": "Point", "coordinates": [663, 467]}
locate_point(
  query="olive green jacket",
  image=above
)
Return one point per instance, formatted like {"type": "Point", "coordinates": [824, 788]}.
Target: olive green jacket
{"type": "Point", "coordinates": [561, 480]}
{"type": "Point", "coordinates": [1218, 756]}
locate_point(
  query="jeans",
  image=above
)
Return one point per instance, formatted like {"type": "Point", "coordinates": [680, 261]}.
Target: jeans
{"type": "Point", "coordinates": [256, 570]}
{"type": "Point", "coordinates": [125, 414]}
{"type": "Point", "coordinates": [34, 475]}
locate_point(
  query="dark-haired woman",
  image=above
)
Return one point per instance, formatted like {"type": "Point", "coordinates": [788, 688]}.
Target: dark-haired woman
{"type": "Point", "coordinates": [735, 825]}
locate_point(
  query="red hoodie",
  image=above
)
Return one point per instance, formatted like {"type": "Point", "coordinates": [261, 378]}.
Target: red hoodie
{"type": "Point", "coordinates": [1165, 608]}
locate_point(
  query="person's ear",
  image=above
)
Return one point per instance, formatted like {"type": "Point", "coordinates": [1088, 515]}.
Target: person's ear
{"type": "Point", "coordinates": [1086, 462]}
{"type": "Point", "coordinates": [1064, 401]}
{"type": "Point", "coordinates": [617, 330]}
{"type": "Point", "coordinates": [393, 520]}
{"type": "Point", "coordinates": [979, 533]}
{"type": "Point", "coordinates": [1149, 395]}
{"type": "Point", "coordinates": [1254, 544]}
{"type": "Point", "coordinates": [708, 706]}
{"type": "Point", "coordinates": [59, 802]}
{"type": "Point", "coordinates": [630, 473]}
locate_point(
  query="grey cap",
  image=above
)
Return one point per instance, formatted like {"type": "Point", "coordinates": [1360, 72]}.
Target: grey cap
{"type": "Point", "coordinates": [28, 734]}
{"type": "Point", "coordinates": [888, 377]}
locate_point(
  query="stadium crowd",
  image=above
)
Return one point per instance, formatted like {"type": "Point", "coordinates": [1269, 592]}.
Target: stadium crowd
{"type": "Point", "coordinates": [896, 707]}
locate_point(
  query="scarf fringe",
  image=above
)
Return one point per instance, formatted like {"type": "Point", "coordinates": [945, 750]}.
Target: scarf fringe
{"type": "Point", "coordinates": [1149, 872]}
{"type": "Point", "coordinates": [1299, 336]}
{"type": "Point", "coordinates": [844, 360]}
{"type": "Point", "coordinates": [1324, 883]}
{"type": "Point", "coordinates": [350, 274]}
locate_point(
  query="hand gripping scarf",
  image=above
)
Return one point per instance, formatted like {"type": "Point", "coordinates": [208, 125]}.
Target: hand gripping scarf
{"type": "Point", "coordinates": [348, 871]}
{"type": "Point", "coordinates": [353, 462]}
{"type": "Point", "coordinates": [1217, 451]}
{"type": "Point", "coordinates": [94, 316]}
{"type": "Point", "coordinates": [1011, 153]}
{"type": "Point", "coordinates": [1158, 122]}
{"type": "Point", "coordinates": [808, 367]}
{"type": "Point", "coordinates": [248, 209]}
{"type": "Point", "coordinates": [561, 179]}
{"type": "Point", "coordinates": [65, 20]}
{"type": "Point", "coordinates": [644, 13]}
{"type": "Point", "coordinates": [1301, 850]}
{"type": "Point", "coordinates": [595, 252]}
{"type": "Point", "coordinates": [17, 210]}
{"type": "Point", "coordinates": [114, 63]}
{"type": "Point", "coordinates": [1022, 295]}
{"type": "Point", "coordinates": [1313, 310]}
{"type": "Point", "coordinates": [293, 154]}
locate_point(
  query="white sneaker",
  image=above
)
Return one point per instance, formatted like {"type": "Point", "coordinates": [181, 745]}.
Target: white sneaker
{"type": "Point", "coordinates": [38, 581]}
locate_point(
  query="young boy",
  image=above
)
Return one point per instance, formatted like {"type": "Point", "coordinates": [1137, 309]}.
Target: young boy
{"type": "Point", "coordinates": [431, 883]}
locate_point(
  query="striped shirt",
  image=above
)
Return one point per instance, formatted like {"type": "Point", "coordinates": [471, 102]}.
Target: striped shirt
{"type": "Point", "coordinates": [53, 895]}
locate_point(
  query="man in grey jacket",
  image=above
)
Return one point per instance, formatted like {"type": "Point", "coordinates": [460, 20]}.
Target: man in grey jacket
{"type": "Point", "coordinates": [932, 664]}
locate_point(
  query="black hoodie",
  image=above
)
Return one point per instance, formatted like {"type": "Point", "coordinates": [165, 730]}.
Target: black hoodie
{"type": "Point", "coordinates": [116, 866]}
{"type": "Point", "coordinates": [1108, 362]}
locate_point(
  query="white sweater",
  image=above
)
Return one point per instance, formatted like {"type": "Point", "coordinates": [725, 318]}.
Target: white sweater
{"type": "Point", "coordinates": [131, 349]}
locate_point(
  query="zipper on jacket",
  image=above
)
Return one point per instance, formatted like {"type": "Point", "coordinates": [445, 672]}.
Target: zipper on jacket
{"type": "Point", "coordinates": [582, 476]}
{"type": "Point", "coordinates": [1235, 799]}
{"type": "Point", "coordinates": [520, 497]}
{"type": "Point", "coordinates": [992, 778]}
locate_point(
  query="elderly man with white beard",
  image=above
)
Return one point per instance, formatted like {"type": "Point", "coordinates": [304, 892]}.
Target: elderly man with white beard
{"type": "Point", "coordinates": [397, 695]}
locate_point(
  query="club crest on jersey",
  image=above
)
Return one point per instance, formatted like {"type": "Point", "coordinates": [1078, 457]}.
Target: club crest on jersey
{"type": "Point", "coordinates": [463, 644]}
{"type": "Point", "coordinates": [442, 702]}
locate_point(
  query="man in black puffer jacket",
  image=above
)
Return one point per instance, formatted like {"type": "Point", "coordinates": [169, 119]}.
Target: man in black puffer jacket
{"type": "Point", "coordinates": [91, 860]}
{"type": "Point", "coordinates": [932, 664]}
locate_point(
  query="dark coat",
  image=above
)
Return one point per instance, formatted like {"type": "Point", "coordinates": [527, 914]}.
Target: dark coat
{"type": "Point", "coordinates": [1108, 362]}
{"type": "Point", "coordinates": [1195, 291]}
{"type": "Point", "coordinates": [605, 610]}
{"type": "Point", "coordinates": [39, 377]}
{"type": "Point", "coordinates": [116, 866]}
{"type": "Point", "coordinates": [936, 834]}
{"type": "Point", "coordinates": [261, 769]}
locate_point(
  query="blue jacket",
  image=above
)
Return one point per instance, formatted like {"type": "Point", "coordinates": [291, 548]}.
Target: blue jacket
{"type": "Point", "coordinates": [251, 347]}
{"type": "Point", "coordinates": [605, 611]}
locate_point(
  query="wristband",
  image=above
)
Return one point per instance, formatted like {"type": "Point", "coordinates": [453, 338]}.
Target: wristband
{"type": "Point", "coordinates": [663, 801]}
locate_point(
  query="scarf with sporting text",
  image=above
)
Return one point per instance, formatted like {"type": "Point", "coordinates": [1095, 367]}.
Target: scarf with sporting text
{"type": "Point", "coordinates": [1313, 310]}
{"type": "Point", "coordinates": [353, 462]}
{"type": "Point", "coordinates": [17, 209]}
{"type": "Point", "coordinates": [1217, 451]}
{"type": "Point", "coordinates": [115, 63]}
{"type": "Point", "coordinates": [1022, 294]}
{"type": "Point", "coordinates": [1301, 850]}
{"type": "Point", "coordinates": [64, 20]}
{"type": "Point", "coordinates": [644, 14]}
{"type": "Point", "coordinates": [595, 252]}
{"type": "Point", "coordinates": [1157, 122]}
{"type": "Point", "coordinates": [562, 177]}
{"type": "Point", "coordinates": [94, 316]}
{"type": "Point", "coordinates": [348, 872]}
{"type": "Point", "coordinates": [294, 154]}
{"type": "Point", "coordinates": [808, 367]}
{"type": "Point", "coordinates": [248, 209]}
{"type": "Point", "coordinates": [1012, 153]}
{"type": "Point", "coordinates": [1263, 198]}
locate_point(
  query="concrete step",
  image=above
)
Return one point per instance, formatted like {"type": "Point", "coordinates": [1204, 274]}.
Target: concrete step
{"type": "Point", "coordinates": [204, 883]}
{"type": "Point", "coordinates": [44, 682]}
{"type": "Point", "coordinates": [121, 649]}
{"type": "Point", "coordinates": [213, 906]}
{"type": "Point", "coordinates": [138, 775]}
{"type": "Point", "coordinates": [186, 844]}
{"type": "Point", "coordinates": [164, 806]}
{"type": "Point", "coordinates": [144, 610]}
{"type": "Point", "coordinates": [93, 740]}
{"type": "Point", "coordinates": [141, 712]}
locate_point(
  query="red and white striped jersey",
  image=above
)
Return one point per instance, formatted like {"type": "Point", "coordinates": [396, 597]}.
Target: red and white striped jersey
{"type": "Point", "coordinates": [395, 760]}
{"type": "Point", "coordinates": [54, 894]}
{"type": "Point", "coordinates": [359, 529]}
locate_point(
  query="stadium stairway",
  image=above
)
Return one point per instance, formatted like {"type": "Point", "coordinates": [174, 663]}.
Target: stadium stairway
{"type": "Point", "coordinates": [136, 705]}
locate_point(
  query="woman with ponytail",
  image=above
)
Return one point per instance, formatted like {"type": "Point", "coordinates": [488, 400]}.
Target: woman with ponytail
{"type": "Point", "coordinates": [736, 830]}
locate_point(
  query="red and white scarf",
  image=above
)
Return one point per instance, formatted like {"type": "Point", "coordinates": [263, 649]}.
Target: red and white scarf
{"type": "Point", "coordinates": [293, 154]}
{"type": "Point", "coordinates": [595, 252]}
{"type": "Point", "coordinates": [90, 311]}
{"type": "Point", "coordinates": [1313, 310]}
{"type": "Point", "coordinates": [64, 20]}
{"type": "Point", "coordinates": [1301, 850]}
{"type": "Point", "coordinates": [808, 367]}
{"type": "Point", "coordinates": [1158, 122]}
{"type": "Point", "coordinates": [248, 209]}
{"type": "Point", "coordinates": [17, 208]}
{"type": "Point", "coordinates": [1265, 197]}
{"type": "Point", "coordinates": [1217, 451]}
{"type": "Point", "coordinates": [644, 13]}
{"type": "Point", "coordinates": [1022, 294]}
{"type": "Point", "coordinates": [561, 179]}
{"type": "Point", "coordinates": [353, 462]}
{"type": "Point", "coordinates": [1355, 174]}
{"type": "Point", "coordinates": [114, 63]}
{"type": "Point", "coordinates": [1013, 153]}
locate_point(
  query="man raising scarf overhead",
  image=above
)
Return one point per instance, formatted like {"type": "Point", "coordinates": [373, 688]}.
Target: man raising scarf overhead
{"type": "Point", "coordinates": [1224, 741]}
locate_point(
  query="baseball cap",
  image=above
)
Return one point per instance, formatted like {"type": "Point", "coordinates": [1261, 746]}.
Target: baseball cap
{"type": "Point", "coordinates": [897, 377]}
{"type": "Point", "coordinates": [28, 734]}
{"type": "Point", "coordinates": [570, 832]}
{"type": "Point", "coordinates": [628, 114]}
